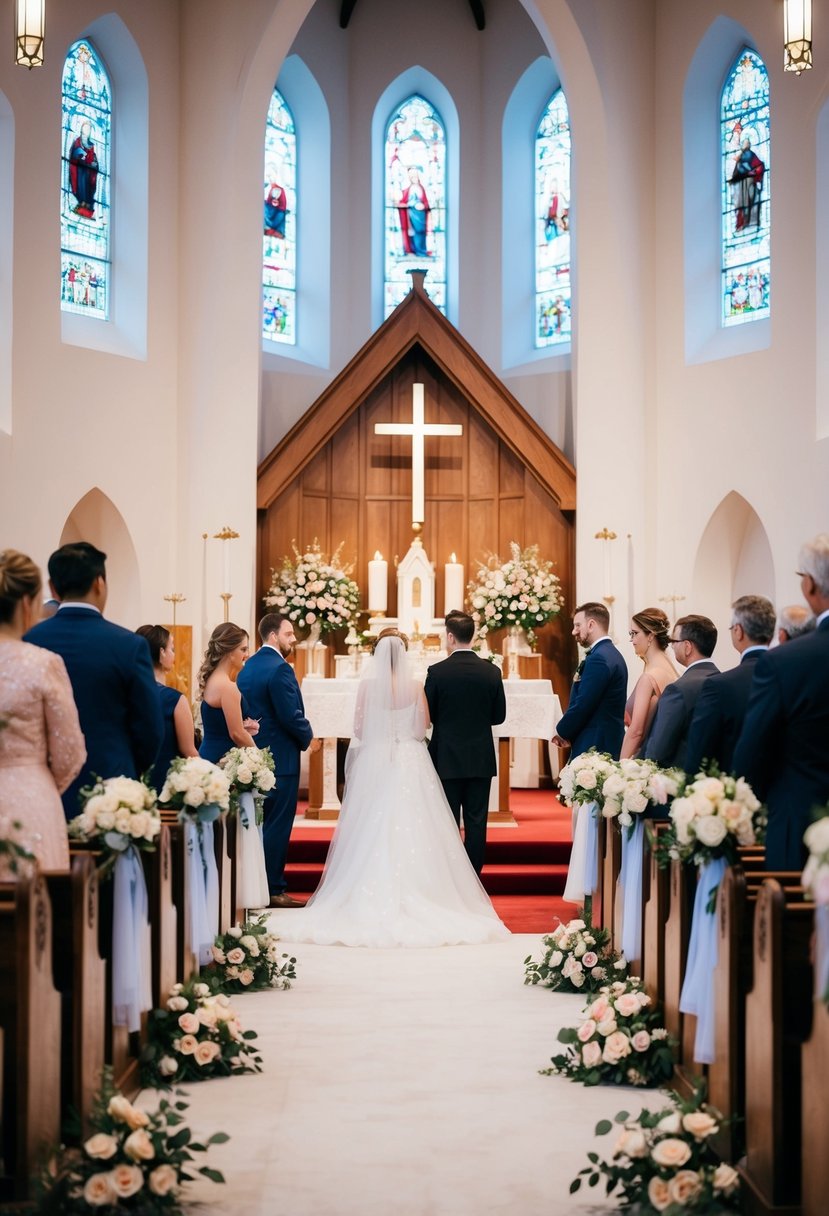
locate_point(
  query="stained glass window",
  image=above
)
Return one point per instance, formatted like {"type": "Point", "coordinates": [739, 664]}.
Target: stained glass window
{"type": "Point", "coordinates": [85, 259]}
{"type": "Point", "coordinates": [746, 197]}
{"type": "Point", "coordinates": [279, 227]}
{"type": "Point", "coordinates": [552, 224]}
{"type": "Point", "coordinates": [415, 208]}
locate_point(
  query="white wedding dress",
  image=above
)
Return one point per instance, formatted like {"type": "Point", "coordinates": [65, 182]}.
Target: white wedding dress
{"type": "Point", "coordinates": [397, 873]}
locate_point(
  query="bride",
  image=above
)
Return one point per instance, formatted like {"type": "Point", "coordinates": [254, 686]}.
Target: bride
{"type": "Point", "coordinates": [397, 873]}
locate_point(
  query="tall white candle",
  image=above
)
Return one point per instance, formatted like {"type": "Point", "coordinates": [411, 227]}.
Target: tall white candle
{"type": "Point", "coordinates": [378, 571]}
{"type": "Point", "coordinates": [453, 586]}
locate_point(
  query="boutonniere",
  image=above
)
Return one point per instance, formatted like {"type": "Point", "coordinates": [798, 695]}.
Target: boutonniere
{"type": "Point", "coordinates": [580, 667]}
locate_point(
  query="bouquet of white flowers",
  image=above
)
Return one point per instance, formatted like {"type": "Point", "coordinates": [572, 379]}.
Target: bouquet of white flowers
{"type": "Point", "coordinates": [249, 770]}
{"type": "Point", "coordinates": [197, 1036]}
{"type": "Point", "coordinates": [313, 591]}
{"type": "Point", "coordinates": [117, 813]}
{"type": "Point", "coordinates": [714, 816]}
{"type": "Point", "coordinates": [816, 873]}
{"type": "Point", "coordinates": [522, 591]}
{"type": "Point", "coordinates": [576, 958]}
{"type": "Point", "coordinates": [247, 959]}
{"type": "Point", "coordinates": [199, 790]}
{"type": "Point", "coordinates": [634, 786]}
{"type": "Point", "coordinates": [584, 778]}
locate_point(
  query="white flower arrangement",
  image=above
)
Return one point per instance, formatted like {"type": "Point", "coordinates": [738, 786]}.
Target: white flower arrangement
{"type": "Point", "coordinates": [247, 958]}
{"type": "Point", "coordinates": [197, 1036]}
{"type": "Point", "coordinates": [577, 957]}
{"type": "Point", "coordinates": [714, 816]}
{"type": "Point", "coordinates": [116, 813]}
{"type": "Point", "coordinates": [522, 591]}
{"type": "Point", "coordinates": [249, 770]}
{"type": "Point", "coordinates": [313, 591]}
{"type": "Point", "coordinates": [636, 785]}
{"type": "Point", "coordinates": [583, 779]}
{"type": "Point", "coordinates": [199, 790]}
{"type": "Point", "coordinates": [816, 873]}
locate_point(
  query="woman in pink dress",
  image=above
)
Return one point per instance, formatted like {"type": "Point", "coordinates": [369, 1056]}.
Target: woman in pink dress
{"type": "Point", "coordinates": [650, 631]}
{"type": "Point", "coordinates": [41, 745]}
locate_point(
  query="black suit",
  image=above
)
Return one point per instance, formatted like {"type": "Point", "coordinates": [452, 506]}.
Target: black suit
{"type": "Point", "coordinates": [466, 699]}
{"type": "Point", "coordinates": [667, 739]}
{"type": "Point", "coordinates": [783, 748]}
{"type": "Point", "coordinates": [718, 717]}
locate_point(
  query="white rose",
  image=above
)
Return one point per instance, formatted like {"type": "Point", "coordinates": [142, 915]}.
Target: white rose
{"type": "Point", "coordinates": [632, 1143]}
{"type": "Point", "coordinates": [167, 1066]}
{"type": "Point", "coordinates": [244, 774]}
{"type": "Point", "coordinates": [670, 1123]}
{"type": "Point", "coordinates": [105, 820]}
{"type": "Point", "coordinates": [710, 831]}
{"type": "Point", "coordinates": [586, 779]}
{"type": "Point", "coordinates": [122, 822]}
{"type": "Point", "coordinates": [816, 836]}
{"type": "Point", "coordinates": [555, 958]}
{"type": "Point", "coordinates": [138, 824]}
{"type": "Point", "coordinates": [177, 1003]}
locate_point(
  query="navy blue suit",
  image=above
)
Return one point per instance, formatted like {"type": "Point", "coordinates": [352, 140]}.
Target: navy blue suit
{"type": "Point", "coordinates": [115, 691]}
{"type": "Point", "coordinates": [595, 716]}
{"type": "Point", "coordinates": [718, 715]}
{"type": "Point", "coordinates": [667, 741]}
{"type": "Point", "coordinates": [783, 748]}
{"type": "Point", "coordinates": [271, 692]}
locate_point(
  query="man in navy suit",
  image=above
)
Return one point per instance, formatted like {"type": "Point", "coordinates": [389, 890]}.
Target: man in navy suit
{"type": "Point", "coordinates": [109, 668]}
{"type": "Point", "coordinates": [271, 692]}
{"type": "Point", "coordinates": [466, 699]}
{"type": "Point", "coordinates": [595, 716]}
{"type": "Point", "coordinates": [693, 639]}
{"type": "Point", "coordinates": [723, 699]}
{"type": "Point", "coordinates": [783, 748]}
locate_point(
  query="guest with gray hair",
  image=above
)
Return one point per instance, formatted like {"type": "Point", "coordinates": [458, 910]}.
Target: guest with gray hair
{"type": "Point", "coordinates": [723, 699]}
{"type": "Point", "coordinates": [793, 622]}
{"type": "Point", "coordinates": [782, 748]}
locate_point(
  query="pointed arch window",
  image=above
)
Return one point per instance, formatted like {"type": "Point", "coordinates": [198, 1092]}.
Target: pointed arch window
{"type": "Point", "coordinates": [86, 220]}
{"type": "Point", "coordinates": [746, 194]}
{"type": "Point", "coordinates": [279, 241]}
{"type": "Point", "coordinates": [552, 225]}
{"type": "Point", "coordinates": [415, 202]}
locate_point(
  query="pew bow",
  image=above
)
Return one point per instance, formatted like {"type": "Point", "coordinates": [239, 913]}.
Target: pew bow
{"type": "Point", "coordinates": [582, 874]}
{"type": "Point", "coordinates": [630, 880]}
{"type": "Point", "coordinates": [697, 995]}
{"type": "Point", "coordinates": [203, 881]}
{"type": "Point", "coordinates": [252, 876]}
{"type": "Point", "coordinates": [131, 989]}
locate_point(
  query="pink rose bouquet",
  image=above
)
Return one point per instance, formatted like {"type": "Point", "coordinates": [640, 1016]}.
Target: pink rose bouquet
{"type": "Point", "coordinates": [198, 1035]}
{"type": "Point", "coordinates": [576, 958]}
{"type": "Point", "coordinates": [247, 959]}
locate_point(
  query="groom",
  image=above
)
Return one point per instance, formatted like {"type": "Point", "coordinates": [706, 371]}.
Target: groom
{"type": "Point", "coordinates": [595, 716]}
{"type": "Point", "coordinates": [466, 699]}
{"type": "Point", "coordinates": [272, 695]}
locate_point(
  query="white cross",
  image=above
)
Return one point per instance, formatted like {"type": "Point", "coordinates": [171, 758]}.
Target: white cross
{"type": "Point", "coordinates": [418, 428]}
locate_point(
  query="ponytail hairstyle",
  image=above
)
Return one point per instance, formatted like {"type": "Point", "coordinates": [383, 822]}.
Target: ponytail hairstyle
{"type": "Point", "coordinates": [224, 638]}
{"type": "Point", "coordinates": [157, 638]}
{"type": "Point", "coordinates": [19, 578]}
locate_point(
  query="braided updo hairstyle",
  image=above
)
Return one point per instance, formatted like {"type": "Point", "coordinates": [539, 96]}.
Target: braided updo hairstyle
{"type": "Point", "coordinates": [224, 638]}
{"type": "Point", "coordinates": [655, 622]}
{"type": "Point", "coordinates": [19, 578]}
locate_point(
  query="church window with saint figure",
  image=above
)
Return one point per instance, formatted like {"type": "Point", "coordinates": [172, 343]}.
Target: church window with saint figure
{"type": "Point", "coordinates": [85, 183]}
{"type": "Point", "coordinates": [552, 224]}
{"type": "Point", "coordinates": [415, 202]}
{"type": "Point", "coordinates": [279, 225]}
{"type": "Point", "coordinates": [746, 197]}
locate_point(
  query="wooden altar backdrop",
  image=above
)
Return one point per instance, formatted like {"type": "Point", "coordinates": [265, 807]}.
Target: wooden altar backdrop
{"type": "Point", "coordinates": [503, 479]}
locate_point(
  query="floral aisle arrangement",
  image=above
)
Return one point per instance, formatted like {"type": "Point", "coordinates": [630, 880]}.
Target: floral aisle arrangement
{"type": "Point", "coordinates": [662, 1162]}
{"type": "Point", "coordinates": [250, 771]}
{"type": "Point", "coordinates": [199, 791]}
{"type": "Point", "coordinates": [521, 591]}
{"type": "Point", "coordinates": [314, 591]}
{"type": "Point", "coordinates": [581, 785]}
{"type": "Point", "coordinates": [577, 958]}
{"type": "Point", "coordinates": [197, 1036]}
{"type": "Point", "coordinates": [119, 816]}
{"type": "Point", "coordinates": [132, 1162]}
{"type": "Point", "coordinates": [816, 882]}
{"type": "Point", "coordinates": [247, 959]}
{"type": "Point", "coordinates": [582, 779]}
{"type": "Point", "coordinates": [620, 1041]}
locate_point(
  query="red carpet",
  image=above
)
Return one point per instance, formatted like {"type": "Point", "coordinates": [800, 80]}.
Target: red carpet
{"type": "Point", "coordinates": [526, 865]}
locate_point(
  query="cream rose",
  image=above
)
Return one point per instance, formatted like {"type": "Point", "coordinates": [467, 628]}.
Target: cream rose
{"type": "Point", "coordinates": [236, 956]}
{"type": "Point", "coordinates": [162, 1180]}
{"type": "Point", "coordinates": [167, 1066]}
{"type": "Point", "coordinates": [126, 1180]}
{"type": "Point", "coordinates": [710, 830]}
{"type": "Point", "coordinates": [139, 1146]}
{"type": "Point", "coordinates": [177, 1003]}
{"type": "Point", "coordinates": [607, 1026]}
{"type": "Point", "coordinates": [671, 1152]}
{"type": "Point", "coordinates": [219, 955]}
{"type": "Point", "coordinates": [187, 1044]}
{"type": "Point", "coordinates": [641, 1041]}
{"type": "Point", "coordinates": [627, 1004]}
{"type": "Point", "coordinates": [206, 1052]}
{"type": "Point", "coordinates": [616, 1047]}
{"type": "Point", "coordinates": [586, 1030]}
{"type": "Point", "coordinates": [670, 1123]}
{"type": "Point", "coordinates": [591, 1054]}
{"type": "Point", "coordinates": [201, 990]}
{"type": "Point", "coordinates": [632, 1143]}
{"type": "Point", "coordinates": [119, 1108]}
{"type": "Point", "coordinates": [684, 1186]}
{"type": "Point", "coordinates": [699, 1124]}
{"type": "Point", "coordinates": [599, 1009]}
{"type": "Point", "coordinates": [726, 1179]}
{"type": "Point", "coordinates": [658, 1194]}
{"type": "Point", "coordinates": [246, 976]}
{"type": "Point", "coordinates": [189, 1023]}
{"type": "Point", "coordinates": [98, 1191]}
{"type": "Point", "coordinates": [101, 1146]}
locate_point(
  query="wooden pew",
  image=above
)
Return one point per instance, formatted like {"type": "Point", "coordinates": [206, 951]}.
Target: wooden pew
{"type": "Point", "coordinates": [681, 891]}
{"type": "Point", "coordinates": [655, 897]}
{"type": "Point", "coordinates": [225, 864]}
{"type": "Point", "coordinates": [778, 1018]}
{"type": "Point", "coordinates": [597, 901]}
{"type": "Point", "coordinates": [815, 1124]}
{"type": "Point", "coordinates": [30, 1021]}
{"type": "Point", "coordinates": [80, 977]}
{"type": "Point", "coordinates": [186, 961]}
{"type": "Point", "coordinates": [158, 872]}
{"type": "Point", "coordinates": [610, 863]}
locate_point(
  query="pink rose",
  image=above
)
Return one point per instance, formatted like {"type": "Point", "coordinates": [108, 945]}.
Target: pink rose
{"type": "Point", "coordinates": [658, 1194]}
{"type": "Point", "coordinates": [616, 1047]}
{"type": "Point", "coordinates": [684, 1186]}
{"type": "Point", "coordinates": [126, 1180]}
{"type": "Point", "coordinates": [586, 1030]}
{"type": "Point", "coordinates": [187, 1044]}
{"type": "Point", "coordinates": [641, 1041]}
{"type": "Point", "coordinates": [591, 1054]}
{"type": "Point", "coordinates": [599, 1009]}
{"type": "Point", "coordinates": [206, 1052]}
{"type": "Point", "coordinates": [236, 956]}
{"type": "Point", "coordinates": [98, 1191]}
{"type": "Point", "coordinates": [627, 1004]}
{"type": "Point", "coordinates": [101, 1146]}
{"type": "Point", "coordinates": [590, 959]}
{"type": "Point", "coordinates": [139, 1146]}
{"type": "Point", "coordinates": [246, 976]}
{"type": "Point", "coordinates": [699, 1124]}
{"type": "Point", "coordinates": [162, 1180]}
{"type": "Point", "coordinates": [671, 1152]}
{"type": "Point", "coordinates": [189, 1023]}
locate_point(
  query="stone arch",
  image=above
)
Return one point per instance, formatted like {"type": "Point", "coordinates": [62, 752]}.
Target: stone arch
{"type": "Point", "coordinates": [733, 558]}
{"type": "Point", "coordinates": [96, 519]}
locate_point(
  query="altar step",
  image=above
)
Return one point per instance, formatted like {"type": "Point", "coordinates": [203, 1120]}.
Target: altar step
{"type": "Point", "coordinates": [303, 878]}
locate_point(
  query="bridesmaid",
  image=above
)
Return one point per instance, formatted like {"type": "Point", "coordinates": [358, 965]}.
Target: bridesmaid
{"type": "Point", "coordinates": [223, 723]}
{"type": "Point", "coordinates": [179, 737]}
{"type": "Point", "coordinates": [650, 632]}
{"type": "Point", "coordinates": [42, 749]}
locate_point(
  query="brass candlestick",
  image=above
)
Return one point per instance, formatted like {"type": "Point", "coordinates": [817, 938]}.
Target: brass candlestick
{"type": "Point", "coordinates": [673, 600]}
{"type": "Point", "coordinates": [606, 536]}
{"type": "Point", "coordinates": [175, 598]}
{"type": "Point", "coordinates": [227, 597]}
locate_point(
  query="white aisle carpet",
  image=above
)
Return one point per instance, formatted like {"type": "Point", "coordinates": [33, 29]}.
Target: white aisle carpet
{"type": "Point", "coordinates": [405, 1082]}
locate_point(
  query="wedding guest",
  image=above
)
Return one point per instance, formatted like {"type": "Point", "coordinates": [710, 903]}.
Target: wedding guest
{"type": "Point", "coordinates": [179, 737]}
{"type": "Point", "coordinates": [793, 622]}
{"type": "Point", "coordinates": [782, 749]}
{"type": "Point", "coordinates": [595, 716]}
{"type": "Point", "coordinates": [41, 745]}
{"type": "Point", "coordinates": [223, 720]}
{"type": "Point", "coordinates": [272, 693]}
{"type": "Point", "coordinates": [650, 635]}
{"type": "Point", "coordinates": [109, 669]}
{"type": "Point", "coordinates": [465, 695]}
{"type": "Point", "coordinates": [723, 699]}
{"type": "Point", "coordinates": [693, 639]}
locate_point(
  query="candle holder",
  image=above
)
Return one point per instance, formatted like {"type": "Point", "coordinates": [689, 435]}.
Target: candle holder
{"type": "Point", "coordinates": [175, 599]}
{"type": "Point", "coordinates": [606, 536]}
{"type": "Point", "coordinates": [673, 600]}
{"type": "Point", "coordinates": [227, 597]}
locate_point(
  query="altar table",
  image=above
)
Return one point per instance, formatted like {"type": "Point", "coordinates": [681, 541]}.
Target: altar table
{"type": "Point", "coordinates": [533, 711]}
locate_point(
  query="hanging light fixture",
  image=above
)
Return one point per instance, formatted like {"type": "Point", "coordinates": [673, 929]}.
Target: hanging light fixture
{"type": "Point", "coordinates": [797, 35]}
{"type": "Point", "coordinates": [28, 48]}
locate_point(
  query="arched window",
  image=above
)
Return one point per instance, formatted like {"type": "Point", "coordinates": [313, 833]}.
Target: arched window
{"type": "Point", "coordinates": [85, 183]}
{"type": "Point", "coordinates": [279, 239]}
{"type": "Point", "coordinates": [552, 224]}
{"type": "Point", "coordinates": [746, 196]}
{"type": "Point", "coordinates": [415, 202]}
